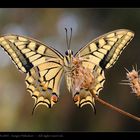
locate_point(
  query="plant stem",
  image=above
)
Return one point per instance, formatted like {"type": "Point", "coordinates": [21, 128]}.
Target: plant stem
{"type": "Point", "coordinates": [115, 108]}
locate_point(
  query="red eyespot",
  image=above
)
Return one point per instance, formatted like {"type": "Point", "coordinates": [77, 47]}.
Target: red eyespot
{"type": "Point", "coordinates": [54, 98]}
{"type": "Point", "coordinates": [76, 98]}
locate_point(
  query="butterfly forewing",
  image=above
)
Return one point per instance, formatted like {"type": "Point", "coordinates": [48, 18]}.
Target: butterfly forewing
{"type": "Point", "coordinates": [106, 49]}
{"type": "Point", "coordinates": [26, 52]}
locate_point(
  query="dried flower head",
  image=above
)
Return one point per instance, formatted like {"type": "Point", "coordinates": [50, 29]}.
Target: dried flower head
{"type": "Point", "coordinates": [133, 80]}
{"type": "Point", "coordinates": [81, 77]}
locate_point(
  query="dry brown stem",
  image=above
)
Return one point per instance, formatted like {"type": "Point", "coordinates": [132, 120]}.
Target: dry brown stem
{"type": "Point", "coordinates": [115, 108]}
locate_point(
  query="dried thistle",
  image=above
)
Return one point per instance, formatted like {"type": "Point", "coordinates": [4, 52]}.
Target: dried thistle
{"type": "Point", "coordinates": [81, 77]}
{"type": "Point", "coordinates": [133, 80]}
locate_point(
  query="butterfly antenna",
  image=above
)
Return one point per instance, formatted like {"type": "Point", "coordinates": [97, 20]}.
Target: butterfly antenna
{"type": "Point", "coordinates": [70, 38]}
{"type": "Point", "coordinates": [67, 37]}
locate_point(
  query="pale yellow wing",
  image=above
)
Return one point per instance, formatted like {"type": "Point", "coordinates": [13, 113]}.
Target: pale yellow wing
{"type": "Point", "coordinates": [43, 82]}
{"type": "Point", "coordinates": [26, 52]}
{"type": "Point", "coordinates": [84, 96]}
{"type": "Point", "coordinates": [43, 65]}
{"type": "Point", "coordinates": [102, 53]}
{"type": "Point", "coordinates": [106, 49]}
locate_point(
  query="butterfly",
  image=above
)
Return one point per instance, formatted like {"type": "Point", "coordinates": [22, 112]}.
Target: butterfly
{"type": "Point", "coordinates": [44, 66]}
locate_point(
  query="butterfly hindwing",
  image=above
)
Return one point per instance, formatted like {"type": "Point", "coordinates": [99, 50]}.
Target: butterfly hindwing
{"type": "Point", "coordinates": [43, 65]}
{"type": "Point", "coordinates": [84, 96]}
{"type": "Point", "coordinates": [43, 82]}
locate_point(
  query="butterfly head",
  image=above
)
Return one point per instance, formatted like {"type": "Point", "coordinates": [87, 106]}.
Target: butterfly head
{"type": "Point", "coordinates": [69, 53]}
{"type": "Point", "coordinates": [68, 57]}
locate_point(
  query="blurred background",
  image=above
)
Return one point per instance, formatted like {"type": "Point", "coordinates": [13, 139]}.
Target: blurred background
{"type": "Point", "coordinates": [47, 25]}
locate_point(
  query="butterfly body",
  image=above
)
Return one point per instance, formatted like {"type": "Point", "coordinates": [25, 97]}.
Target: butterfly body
{"type": "Point", "coordinates": [44, 66]}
